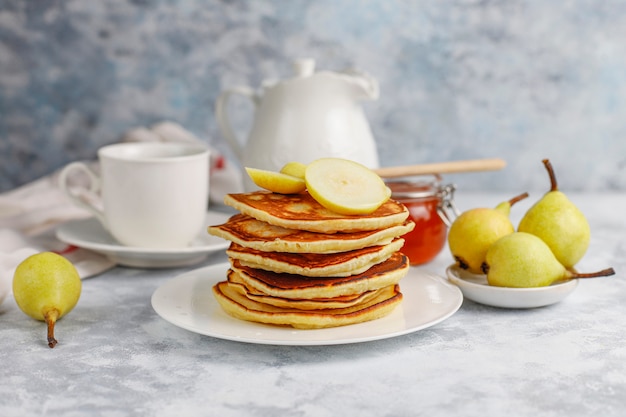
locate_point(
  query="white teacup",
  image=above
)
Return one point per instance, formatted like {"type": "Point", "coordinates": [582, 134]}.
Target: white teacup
{"type": "Point", "coordinates": [153, 195]}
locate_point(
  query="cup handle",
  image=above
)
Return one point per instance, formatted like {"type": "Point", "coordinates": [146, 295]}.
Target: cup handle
{"type": "Point", "coordinates": [94, 188]}
{"type": "Point", "coordinates": [221, 114]}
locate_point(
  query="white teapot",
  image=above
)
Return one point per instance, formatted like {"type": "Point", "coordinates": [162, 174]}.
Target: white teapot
{"type": "Point", "coordinates": [309, 116]}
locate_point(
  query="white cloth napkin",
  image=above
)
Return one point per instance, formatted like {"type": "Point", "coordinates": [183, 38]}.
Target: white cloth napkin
{"type": "Point", "coordinates": [29, 215]}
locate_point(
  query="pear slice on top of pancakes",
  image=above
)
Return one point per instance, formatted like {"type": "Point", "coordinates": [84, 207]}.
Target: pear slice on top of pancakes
{"type": "Point", "coordinates": [345, 187]}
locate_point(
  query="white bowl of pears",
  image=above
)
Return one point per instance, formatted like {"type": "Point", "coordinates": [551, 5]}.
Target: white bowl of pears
{"type": "Point", "coordinates": [531, 266]}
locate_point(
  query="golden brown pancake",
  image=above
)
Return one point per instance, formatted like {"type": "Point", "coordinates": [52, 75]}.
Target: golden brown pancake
{"type": "Point", "coordinates": [275, 284]}
{"type": "Point", "coordinates": [300, 304]}
{"type": "Point", "coordinates": [302, 212]}
{"type": "Point", "coordinates": [238, 305]}
{"type": "Point", "coordinates": [315, 264]}
{"type": "Point", "coordinates": [252, 233]}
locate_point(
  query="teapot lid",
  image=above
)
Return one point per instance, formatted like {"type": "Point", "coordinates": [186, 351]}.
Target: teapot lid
{"type": "Point", "coordinates": [363, 86]}
{"type": "Point", "coordinates": [303, 67]}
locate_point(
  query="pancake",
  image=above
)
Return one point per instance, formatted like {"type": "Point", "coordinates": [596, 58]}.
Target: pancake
{"type": "Point", "coordinates": [314, 264]}
{"type": "Point", "coordinates": [239, 306]}
{"type": "Point", "coordinates": [300, 304]}
{"type": "Point", "coordinates": [302, 212]}
{"type": "Point", "coordinates": [252, 233]}
{"type": "Point", "coordinates": [294, 286]}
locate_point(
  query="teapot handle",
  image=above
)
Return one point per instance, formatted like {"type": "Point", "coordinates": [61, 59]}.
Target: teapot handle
{"type": "Point", "coordinates": [221, 114]}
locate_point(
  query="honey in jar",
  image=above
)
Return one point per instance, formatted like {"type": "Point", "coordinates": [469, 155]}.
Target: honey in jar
{"type": "Point", "coordinates": [429, 204]}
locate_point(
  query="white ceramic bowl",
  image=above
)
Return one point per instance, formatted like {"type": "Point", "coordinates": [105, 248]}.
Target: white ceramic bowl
{"type": "Point", "coordinates": [476, 288]}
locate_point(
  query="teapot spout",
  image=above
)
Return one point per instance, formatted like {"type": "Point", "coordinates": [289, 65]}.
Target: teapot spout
{"type": "Point", "coordinates": [364, 86]}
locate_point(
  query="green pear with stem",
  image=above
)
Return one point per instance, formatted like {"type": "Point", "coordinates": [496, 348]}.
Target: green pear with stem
{"type": "Point", "coordinates": [522, 260]}
{"type": "Point", "coordinates": [559, 223]}
{"type": "Point", "coordinates": [46, 286]}
{"type": "Point", "coordinates": [472, 233]}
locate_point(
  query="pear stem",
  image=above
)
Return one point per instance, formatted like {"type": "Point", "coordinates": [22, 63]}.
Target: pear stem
{"type": "Point", "coordinates": [604, 273]}
{"type": "Point", "coordinates": [51, 318]}
{"type": "Point", "coordinates": [518, 198]}
{"type": "Point", "coordinates": [553, 184]}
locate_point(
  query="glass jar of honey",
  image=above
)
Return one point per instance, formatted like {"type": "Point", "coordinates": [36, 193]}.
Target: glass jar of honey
{"type": "Point", "coordinates": [431, 207]}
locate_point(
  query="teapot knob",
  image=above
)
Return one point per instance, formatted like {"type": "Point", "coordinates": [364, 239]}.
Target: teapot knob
{"type": "Point", "coordinates": [304, 67]}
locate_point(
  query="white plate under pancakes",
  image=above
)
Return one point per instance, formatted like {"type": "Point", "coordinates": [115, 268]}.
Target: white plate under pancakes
{"type": "Point", "coordinates": [187, 301]}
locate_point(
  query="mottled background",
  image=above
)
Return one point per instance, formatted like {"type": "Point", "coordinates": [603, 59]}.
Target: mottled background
{"type": "Point", "coordinates": [459, 79]}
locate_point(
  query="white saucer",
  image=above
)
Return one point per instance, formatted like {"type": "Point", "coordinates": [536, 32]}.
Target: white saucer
{"type": "Point", "coordinates": [187, 301]}
{"type": "Point", "coordinates": [476, 288]}
{"type": "Point", "coordinates": [89, 234]}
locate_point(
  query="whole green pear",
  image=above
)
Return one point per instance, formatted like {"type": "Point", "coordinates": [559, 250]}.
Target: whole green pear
{"type": "Point", "coordinates": [472, 233]}
{"type": "Point", "coordinates": [559, 223]}
{"type": "Point", "coordinates": [46, 286]}
{"type": "Point", "coordinates": [522, 260]}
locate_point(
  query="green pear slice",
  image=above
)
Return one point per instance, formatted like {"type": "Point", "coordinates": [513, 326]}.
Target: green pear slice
{"type": "Point", "coordinates": [295, 169]}
{"type": "Point", "coordinates": [345, 187]}
{"type": "Point", "coordinates": [276, 182]}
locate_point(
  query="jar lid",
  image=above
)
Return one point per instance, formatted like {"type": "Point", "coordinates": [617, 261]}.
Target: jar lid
{"type": "Point", "coordinates": [414, 188]}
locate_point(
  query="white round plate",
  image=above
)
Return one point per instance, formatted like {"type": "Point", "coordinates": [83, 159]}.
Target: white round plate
{"type": "Point", "coordinates": [89, 234]}
{"type": "Point", "coordinates": [187, 301]}
{"type": "Point", "coordinates": [476, 288]}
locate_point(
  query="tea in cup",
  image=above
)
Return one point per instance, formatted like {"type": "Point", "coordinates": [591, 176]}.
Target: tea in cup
{"type": "Point", "coordinates": [152, 195]}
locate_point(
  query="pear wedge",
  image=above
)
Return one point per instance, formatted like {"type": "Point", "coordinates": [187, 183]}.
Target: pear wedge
{"type": "Point", "coordinates": [276, 182]}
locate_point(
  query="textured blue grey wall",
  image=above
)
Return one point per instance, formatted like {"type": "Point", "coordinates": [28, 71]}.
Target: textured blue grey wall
{"type": "Point", "coordinates": [459, 79]}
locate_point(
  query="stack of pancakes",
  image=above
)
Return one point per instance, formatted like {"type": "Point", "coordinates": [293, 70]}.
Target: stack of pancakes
{"type": "Point", "coordinates": [296, 263]}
